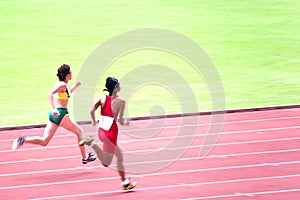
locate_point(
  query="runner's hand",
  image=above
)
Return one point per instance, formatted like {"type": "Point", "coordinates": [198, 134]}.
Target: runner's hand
{"type": "Point", "coordinates": [78, 83]}
{"type": "Point", "coordinates": [94, 123]}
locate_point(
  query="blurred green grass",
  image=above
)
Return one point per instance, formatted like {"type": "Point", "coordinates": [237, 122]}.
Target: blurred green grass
{"type": "Point", "coordinates": [254, 45]}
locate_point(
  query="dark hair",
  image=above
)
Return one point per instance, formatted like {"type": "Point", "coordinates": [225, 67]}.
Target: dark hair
{"type": "Point", "coordinates": [111, 84]}
{"type": "Point", "coordinates": [63, 71]}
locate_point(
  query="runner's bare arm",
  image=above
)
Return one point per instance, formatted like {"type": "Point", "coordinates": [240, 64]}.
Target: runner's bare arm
{"type": "Point", "coordinates": [96, 105]}
{"type": "Point", "coordinates": [77, 84]}
{"type": "Point", "coordinates": [119, 107]}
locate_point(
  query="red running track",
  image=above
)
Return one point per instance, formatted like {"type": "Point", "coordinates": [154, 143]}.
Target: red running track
{"type": "Point", "coordinates": [257, 156]}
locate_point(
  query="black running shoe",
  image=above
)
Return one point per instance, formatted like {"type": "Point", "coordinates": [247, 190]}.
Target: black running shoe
{"type": "Point", "coordinates": [18, 142]}
{"type": "Point", "coordinates": [90, 158]}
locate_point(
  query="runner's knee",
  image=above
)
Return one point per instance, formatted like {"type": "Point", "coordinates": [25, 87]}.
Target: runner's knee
{"type": "Point", "coordinates": [107, 161]}
{"type": "Point", "coordinates": [45, 142]}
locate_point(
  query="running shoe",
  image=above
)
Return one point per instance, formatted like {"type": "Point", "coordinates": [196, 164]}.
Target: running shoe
{"type": "Point", "coordinates": [17, 143]}
{"type": "Point", "coordinates": [90, 158]}
{"type": "Point", "coordinates": [87, 141]}
{"type": "Point", "coordinates": [129, 186]}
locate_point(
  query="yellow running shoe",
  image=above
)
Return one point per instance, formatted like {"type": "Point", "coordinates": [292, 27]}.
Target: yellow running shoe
{"type": "Point", "coordinates": [88, 141]}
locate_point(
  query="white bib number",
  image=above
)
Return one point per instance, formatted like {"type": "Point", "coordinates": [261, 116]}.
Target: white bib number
{"type": "Point", "coordinates": [105, 122]}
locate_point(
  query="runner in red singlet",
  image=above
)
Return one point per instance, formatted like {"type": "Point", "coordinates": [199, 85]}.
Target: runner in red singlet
{"type": "Point", "coordinates": [109, 138]}
{"type": "Point", "coordinates": [112, 110]}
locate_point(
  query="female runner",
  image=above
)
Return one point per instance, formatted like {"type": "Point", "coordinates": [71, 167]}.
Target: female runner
{"type": "Point", "coordinates": [59, 97]}
{"type": "Point", "coordinates": [112, 110]}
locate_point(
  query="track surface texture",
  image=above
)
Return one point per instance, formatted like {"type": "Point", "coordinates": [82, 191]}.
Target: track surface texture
{"type": "Point", "coordinates": [256, 156]}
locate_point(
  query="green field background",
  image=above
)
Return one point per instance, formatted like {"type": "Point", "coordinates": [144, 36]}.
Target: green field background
{"type": "Point", "coordinates": [254, 45]}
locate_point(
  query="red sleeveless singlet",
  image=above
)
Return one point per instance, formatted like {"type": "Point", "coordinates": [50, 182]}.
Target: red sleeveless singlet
{"type": "Point", "coordinates": [112, 133]}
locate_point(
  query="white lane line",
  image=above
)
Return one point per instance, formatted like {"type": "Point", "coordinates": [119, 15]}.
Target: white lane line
{"type": "Point", "coordinates": [171, 127]}
{"type": "Point", "coordinates": [150, 150]}
{"type": "Point", "coordinates": [211, 134]}
{"type": "Point", "coordinates": [155, 174]}
{"type": "Point", "coordinates": [217, 144]}
{"type": "Point", "coordinates": [163, 138]}
{"type": "Point", "coordinates": [138, 163]}
{"type": "Point", "coordinates": [248, 194]}
{"type": "Point", "coordinates": [173, 186]}
{"type": "Point", "coordinates": [151, 162]}
{"type": "Point", "coordinates": [39, 159]}
{"type": "Point", "coordinates": [209, 124]}
{"type": "Point", "coordinates": [58, 135]}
